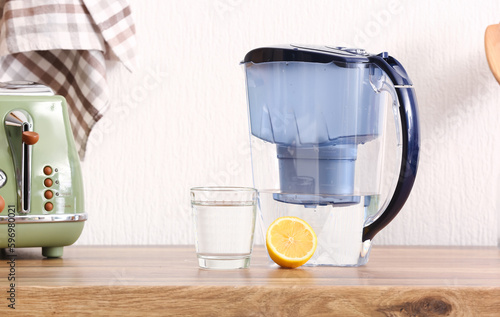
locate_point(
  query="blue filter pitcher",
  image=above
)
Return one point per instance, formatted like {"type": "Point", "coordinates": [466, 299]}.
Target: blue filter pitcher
{"type": "Point", "coordinates": [318, 123]}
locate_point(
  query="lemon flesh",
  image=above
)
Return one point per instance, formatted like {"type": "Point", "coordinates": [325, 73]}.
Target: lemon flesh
{"type": "Point", "coordinates": [290, 242]}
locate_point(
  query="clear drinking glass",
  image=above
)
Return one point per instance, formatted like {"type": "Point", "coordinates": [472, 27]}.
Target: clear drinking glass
{"type": "Point", "coordinates": [224, 220]}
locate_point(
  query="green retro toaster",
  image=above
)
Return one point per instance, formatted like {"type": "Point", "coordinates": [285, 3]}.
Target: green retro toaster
{"type": "Point", "coordinates": [41, 188]}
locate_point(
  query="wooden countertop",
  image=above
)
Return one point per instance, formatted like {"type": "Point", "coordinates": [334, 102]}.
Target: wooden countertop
{"type": "Point", "coordinates": [166, 280]}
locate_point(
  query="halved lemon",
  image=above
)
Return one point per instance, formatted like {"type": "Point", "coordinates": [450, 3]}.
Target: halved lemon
{"type": "Point", "coordinates": [290, 242]}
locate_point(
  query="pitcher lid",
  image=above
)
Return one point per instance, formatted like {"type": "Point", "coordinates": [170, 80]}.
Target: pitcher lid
{"type": "Point", "coordinates": [306, 53]}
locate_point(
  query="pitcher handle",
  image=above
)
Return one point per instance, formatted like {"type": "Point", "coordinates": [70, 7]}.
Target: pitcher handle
{"type": "Point", "coordinates": [411, 141]}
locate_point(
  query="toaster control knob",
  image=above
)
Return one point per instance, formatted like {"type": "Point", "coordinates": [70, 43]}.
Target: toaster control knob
{"type": "Point", "coordinates": [2, 203]}
{"type": "Point", "coordinates": [47, 170]}
{"type": "Point", "coordinates": [49, 206]}
{"type": "Point", "coordinates": [48, 194]}
{"type": "Point", "coordinates": [30, 137]}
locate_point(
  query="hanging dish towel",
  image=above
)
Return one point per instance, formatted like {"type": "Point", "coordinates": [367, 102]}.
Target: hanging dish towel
{"type": "Point", "coordinates": [64, 44]}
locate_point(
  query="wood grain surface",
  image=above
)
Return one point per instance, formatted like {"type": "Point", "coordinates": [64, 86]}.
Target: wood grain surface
{"type": "Point", "coordinates": [166, 281]}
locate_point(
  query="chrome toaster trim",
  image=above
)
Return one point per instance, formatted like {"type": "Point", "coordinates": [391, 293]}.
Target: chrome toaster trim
{"type": "Point", "coordinates": [17, 122]}
{"type": "Point", "coordinates": [24, 88]}
{"type": "Point", "coordinates": [44, 218]}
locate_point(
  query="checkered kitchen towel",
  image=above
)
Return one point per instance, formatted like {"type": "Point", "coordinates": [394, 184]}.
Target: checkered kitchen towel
{"type": "Point", "coordinates": [64, 44]}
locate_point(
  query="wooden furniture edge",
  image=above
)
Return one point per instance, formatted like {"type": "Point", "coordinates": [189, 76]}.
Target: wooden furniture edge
{"type": "Point", "coordinates": [117, 300]}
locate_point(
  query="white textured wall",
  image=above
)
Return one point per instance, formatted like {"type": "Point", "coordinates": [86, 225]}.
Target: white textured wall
{"type": "Point", "coordinates": [180, 120]}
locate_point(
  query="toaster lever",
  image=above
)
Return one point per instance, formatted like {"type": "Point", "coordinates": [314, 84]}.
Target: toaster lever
{"type": "Point", "coordinates": [30, 137]}
{"type": "Point", "coordinates": [19, 131]}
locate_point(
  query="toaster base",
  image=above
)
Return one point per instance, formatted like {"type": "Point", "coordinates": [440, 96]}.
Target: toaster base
{"type": "Point", "coordinates": [51, 237]}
